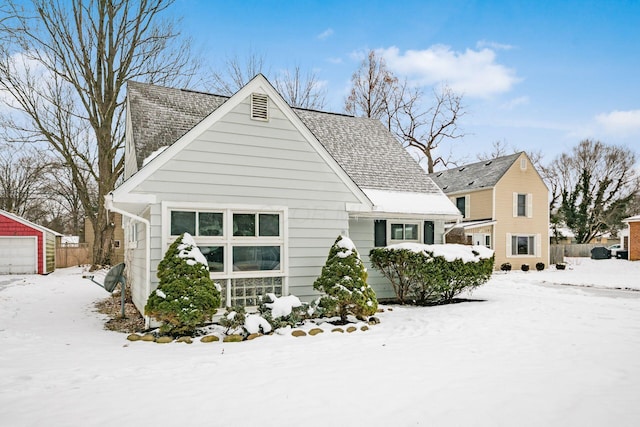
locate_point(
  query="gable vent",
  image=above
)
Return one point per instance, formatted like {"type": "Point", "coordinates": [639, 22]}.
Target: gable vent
{"type": "Point", "coordinates": [259, 106]}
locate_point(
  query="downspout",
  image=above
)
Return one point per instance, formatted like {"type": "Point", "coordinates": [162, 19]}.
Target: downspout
{"type": "Point", "coordinates": [109, 206]}
{"type": "Point", "coordinates": [444, 236]}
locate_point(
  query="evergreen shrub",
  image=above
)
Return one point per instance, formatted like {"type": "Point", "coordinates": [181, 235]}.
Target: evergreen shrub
{"type": "Point", "coordinates": [505, 266]}
{"type": "Point", "coordinates": [524, 267]}
{"type": "Point", "coordinates": [344, 283]}
{"type": "Point", "coordinates": [540, 266]}
{"type": "Point", "coordinates": [420, 274]}
{"type": "Point", "coordinates": [186, 296]}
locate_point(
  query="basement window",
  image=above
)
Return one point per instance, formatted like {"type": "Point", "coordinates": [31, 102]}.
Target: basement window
{"type": "Point", "coordinates": [259, 107]}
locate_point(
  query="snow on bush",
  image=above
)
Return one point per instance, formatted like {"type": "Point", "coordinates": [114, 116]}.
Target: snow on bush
{"type": "Point", "coordinates": [344, 282]}
{"type": "Point", "coordinates": [186, 297]}
{"type": "Point", "coordinates": [430, 274]}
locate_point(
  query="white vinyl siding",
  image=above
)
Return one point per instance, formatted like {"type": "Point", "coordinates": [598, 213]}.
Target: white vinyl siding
{"type": "Point", "coordinates": [361, 232]}
{"type": "Point", "coordinates": [243, 164]}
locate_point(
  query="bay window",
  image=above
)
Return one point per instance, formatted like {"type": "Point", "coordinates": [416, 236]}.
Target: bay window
{"type": "Point", "coordinates": [244, 249]}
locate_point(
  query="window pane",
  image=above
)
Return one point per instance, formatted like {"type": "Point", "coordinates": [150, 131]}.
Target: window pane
{"type": "Point", "coordinates": [214, 256]}
{"type": "Point", "coordinates": [269, 224]}
{"type": "Point", "coordinates": [522, 205]}
{"type": "Point", "coordinates": [244, 224]}
{"type": "Point", "coordinates": [523, 245]}
{"type": "Point", "coordinates": [397, 231]}
{"type": "Point", "coordinates": [183, 222]}
{"type": "Point", "coordinates": [252, 290]}
{"type": "Point", "coordinates": [256, 258]}
{"type": "Point", "coordinates": [209, 224]}
{"type": "Point", "coordinates": [411, 232]}
{"type": "Point", "coordinates": [461, 205]}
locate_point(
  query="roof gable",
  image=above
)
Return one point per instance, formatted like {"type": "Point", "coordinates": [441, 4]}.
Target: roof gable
{"type": "Point", "coordinates": [474, 176]}
{"type": "Point", "coordinates": [28, 223]}
{"type": "Point", "coordinates": [361, 147]}
{"type": "Point", "coordinates": [152, 121]}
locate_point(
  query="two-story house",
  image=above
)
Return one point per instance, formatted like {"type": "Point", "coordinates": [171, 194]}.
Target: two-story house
{"type": "Point", "coordinates": [505, 206]}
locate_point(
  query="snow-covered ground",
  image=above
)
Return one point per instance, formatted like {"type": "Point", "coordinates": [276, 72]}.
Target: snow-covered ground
{"type": "Point", "coordinates": [531, 353]}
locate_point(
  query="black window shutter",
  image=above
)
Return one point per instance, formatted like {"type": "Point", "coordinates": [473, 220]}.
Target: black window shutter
{"type": "Point", "coordinates": [429, 231]}
{"type": "Point", "coordinates": [380, 233]}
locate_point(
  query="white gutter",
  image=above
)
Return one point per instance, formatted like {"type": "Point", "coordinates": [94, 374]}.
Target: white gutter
{"type": "Point", "coordinates": [109, 206]}
{"type": "Point", "coordinates": [444, 236]}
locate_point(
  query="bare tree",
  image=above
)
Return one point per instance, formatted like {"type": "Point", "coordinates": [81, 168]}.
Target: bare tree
{"type": "Point", "coordinates": [21, 182]}
{"type": "Point", "coordinates": [64, 66]}
{"type": "Point", "coordinates": [377, 93]}
{"type": "Point", "coordinates": [594, 186]}
{"type": "Point", "coordinates": [299, 90]}
{"type": "Point", "coordinates": [236, 72]}
{"type": "Point", "coordinates": [498, 149]}
{"type": "Point", "coordinates": [374, 90]}
{"type": "Point", "coordinates": [69, 210]}
{"type": "Point", "coordinates": [425, 128]}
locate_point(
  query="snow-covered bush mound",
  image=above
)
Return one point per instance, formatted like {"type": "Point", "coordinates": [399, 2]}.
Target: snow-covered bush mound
{"type": "Point", "coordinates": [427, 274]}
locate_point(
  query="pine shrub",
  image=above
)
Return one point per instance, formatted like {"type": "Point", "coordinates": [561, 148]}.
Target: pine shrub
{"type": "Point", "coordinates": [344, 282]}
{"type": "Point", "coordinates": [186, 296]}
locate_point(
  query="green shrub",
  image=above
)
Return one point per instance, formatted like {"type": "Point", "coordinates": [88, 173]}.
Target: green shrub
{"type": "Point", "coordinates": [524, 267]}
{"type": "Point", "coordinates": [423, 274]}
{"type": "Point", "coordinates": [505, 266]}
{"type": "Point", "coordinates": [186, 297]}
{"type": "Point", "coordinates": [233, 319]}
{"type": "Point", "coordinates": [344, 282]}
{"type": "Point", "coordinates": [540, 266]}
{"type": "Point", "coordinates": [283, 311]}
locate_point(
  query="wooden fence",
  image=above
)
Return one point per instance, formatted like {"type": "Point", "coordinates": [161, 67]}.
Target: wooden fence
{"type": "Point", "coordinates": [558, 252]}
{"type": "Point", "coordinates": [72, 255]}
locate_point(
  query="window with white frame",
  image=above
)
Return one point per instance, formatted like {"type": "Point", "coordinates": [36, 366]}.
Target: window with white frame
{"type": "Point", "coordinates": [523, 245]}
{"type": "Point", "coordinates": [522, 205]}
{"type": "Point", "coordinates": [244, 248]}
{"type": "Point", "coordinates": [404, 231]}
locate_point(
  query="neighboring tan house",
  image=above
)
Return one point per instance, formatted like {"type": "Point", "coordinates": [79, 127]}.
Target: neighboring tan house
{"type": "Point", "coordinates": [632, 238]}
{"type": "Point", "coordinates": [117, 241]}
{"type": "Point", "coordinates": [265, 189]}
{"type": "Point", "coordinates": [505, 206]}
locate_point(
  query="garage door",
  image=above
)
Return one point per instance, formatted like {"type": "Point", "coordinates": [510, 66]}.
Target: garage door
{"type": "Point", "coordinates": [18, 255]}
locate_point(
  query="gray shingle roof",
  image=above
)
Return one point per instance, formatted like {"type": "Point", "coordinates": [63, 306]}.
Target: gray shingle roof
{"type": "Point", "coordinates": [366, 151]}
{"type": "Point", "coordinates": [474, 176]}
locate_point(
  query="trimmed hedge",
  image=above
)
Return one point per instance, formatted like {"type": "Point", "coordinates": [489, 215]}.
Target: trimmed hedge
{"type": "Point", "coordinates": [418, 273]}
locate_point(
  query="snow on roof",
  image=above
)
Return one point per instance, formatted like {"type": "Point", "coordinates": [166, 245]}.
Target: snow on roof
{"type": "Point", "coordinates": [154, 155]}
{"type": "Point", "coordinates": [632, 219]}
{"type": "Point", "coordinates": [412, 203]}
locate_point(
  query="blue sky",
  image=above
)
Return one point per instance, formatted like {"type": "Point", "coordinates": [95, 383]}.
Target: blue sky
{"type": "Point", "coordinates": [534, 75]}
